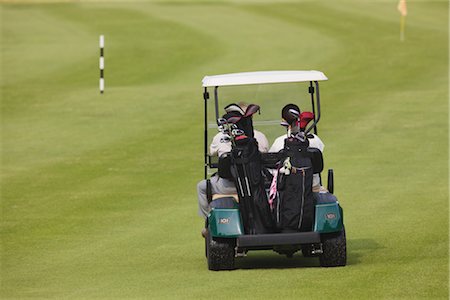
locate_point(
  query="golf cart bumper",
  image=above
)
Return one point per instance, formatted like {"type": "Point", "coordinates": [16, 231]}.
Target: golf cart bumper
{"type": "Point", "coordinates": [269, 241]}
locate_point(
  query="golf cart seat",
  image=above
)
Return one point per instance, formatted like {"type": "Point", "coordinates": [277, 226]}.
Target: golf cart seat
{"type": "Point", "coordinates": [224, 201]}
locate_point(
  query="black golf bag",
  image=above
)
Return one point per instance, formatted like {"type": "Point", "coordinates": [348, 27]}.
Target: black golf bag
{"type": "Point", "coordinates": [246, 168]}
{"type": "Point", "coordinates": [294, 208]}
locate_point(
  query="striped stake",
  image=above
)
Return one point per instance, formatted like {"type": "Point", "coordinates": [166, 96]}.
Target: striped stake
{"type": "Point", "coordinates": [102, 64]}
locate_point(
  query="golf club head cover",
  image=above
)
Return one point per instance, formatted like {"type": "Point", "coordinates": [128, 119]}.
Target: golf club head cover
{"type": "Point", "coordinates": [305, 118]}
{"type": "Point", "coordinates": [241, 137]}
{"type": "Point", "coordinates": [234, 120]}
{"type": "Point", "coordinates": [233, 107]}
{"type": "Point", "coordinates": [241, 122]}
{"type": "Point", "coordinates": [251, 110]}
{"type": "Point", "coordinates": [232, 117]}
{"type": "Point", "coordinates": [288, 116]}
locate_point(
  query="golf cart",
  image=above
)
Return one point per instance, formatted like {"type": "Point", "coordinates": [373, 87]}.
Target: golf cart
{"type": "Point", "coordinates": [244, 222]}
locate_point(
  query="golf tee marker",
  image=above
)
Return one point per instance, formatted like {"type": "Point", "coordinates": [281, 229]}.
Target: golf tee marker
{"type": "Point", "coordinates": [102, 64]}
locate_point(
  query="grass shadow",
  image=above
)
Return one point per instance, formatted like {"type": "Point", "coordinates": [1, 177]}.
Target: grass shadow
{"type": "Point", "coordinates": [356, 249]}
{"type": "Point", "coordinates": [272, 260]}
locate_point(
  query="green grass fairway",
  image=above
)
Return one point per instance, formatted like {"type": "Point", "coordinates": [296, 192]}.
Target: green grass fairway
{"type": "Point", "coordinates": [98, 192]}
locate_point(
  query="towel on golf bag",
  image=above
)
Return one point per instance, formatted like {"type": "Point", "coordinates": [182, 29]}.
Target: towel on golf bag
{"type": "Point", "coordinates": [294, 208]}
{"type": "Point", "coordinates": [246, 168]}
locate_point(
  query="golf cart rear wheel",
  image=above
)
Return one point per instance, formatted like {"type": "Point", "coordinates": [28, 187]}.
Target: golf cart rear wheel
{"type": "Point", "coordinates": [206, 246]}
{"type": "Point", "coordinates": [334, 248]}
{"type": "Point", "coordinates": [220, 253]}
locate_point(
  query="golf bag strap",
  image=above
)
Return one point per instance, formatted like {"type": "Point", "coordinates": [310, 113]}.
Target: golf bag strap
{"type": "Point", "coordinates": [208, 190]}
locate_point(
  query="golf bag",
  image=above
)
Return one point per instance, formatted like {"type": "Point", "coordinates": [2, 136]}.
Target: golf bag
{"type": "Point", "coordinates": [246, 168]}
{"type": "Point", "coordinates": [294, 208]}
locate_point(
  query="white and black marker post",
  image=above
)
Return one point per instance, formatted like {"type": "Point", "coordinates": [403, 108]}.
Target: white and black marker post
{"type": "Point", "coordinates": [102, 64]}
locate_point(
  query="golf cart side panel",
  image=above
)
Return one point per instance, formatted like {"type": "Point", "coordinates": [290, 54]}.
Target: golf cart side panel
{"type": "Point", "coordinates": [328, 218]}
{"type": "Point", "coordinates": [225, 223]}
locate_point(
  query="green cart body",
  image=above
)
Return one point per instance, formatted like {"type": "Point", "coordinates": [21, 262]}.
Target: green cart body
{"type": "Point", "coordinates": [226, 239]}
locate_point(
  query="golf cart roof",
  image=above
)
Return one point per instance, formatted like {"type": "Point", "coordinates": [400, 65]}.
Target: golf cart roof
{"type": "Point", "coordinates": [262, 77]}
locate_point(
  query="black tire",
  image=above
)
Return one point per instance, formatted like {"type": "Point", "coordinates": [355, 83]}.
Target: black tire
{"type": "Point", "coordinates": [206, 237]}
{"type": "Point", "coordinates": [206, 245]}
{"type": "Point", "coordinates": [220, 253]}
{"type": "Point", "coordinates": [334, 248]}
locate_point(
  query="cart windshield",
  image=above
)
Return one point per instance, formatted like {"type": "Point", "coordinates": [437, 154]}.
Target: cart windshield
{"type": "Point", "coordinates": [270, 97]}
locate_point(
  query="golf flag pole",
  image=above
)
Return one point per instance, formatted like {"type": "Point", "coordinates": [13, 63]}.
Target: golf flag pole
{"type": "Point", "coordinates": [102, 64]}
{"type": "Point", "coordinates": [403, 12]}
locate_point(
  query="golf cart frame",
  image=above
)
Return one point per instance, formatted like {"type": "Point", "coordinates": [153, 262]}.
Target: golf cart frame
{"type": "Point", "coordinates": [226, 238]}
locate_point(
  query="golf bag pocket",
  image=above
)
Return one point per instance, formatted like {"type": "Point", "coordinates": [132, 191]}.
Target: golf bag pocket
{"type": "Point", "coordinates": [316, 159]}
{"type": "Point", "coordinates": [255, 172]}
{"type": "Point", "coordinates": [295, 208]}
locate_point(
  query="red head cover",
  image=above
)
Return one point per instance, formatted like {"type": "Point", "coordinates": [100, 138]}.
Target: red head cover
{"type": "Point", "coordinates": [305, 118]}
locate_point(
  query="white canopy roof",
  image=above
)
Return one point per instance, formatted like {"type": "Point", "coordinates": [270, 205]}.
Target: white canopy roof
{"type": "Point", "coordinates": [262, 78]}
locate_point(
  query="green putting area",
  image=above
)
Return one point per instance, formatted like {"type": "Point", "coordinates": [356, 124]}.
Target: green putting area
{"type": "Point", "coordinates": [98, 191]}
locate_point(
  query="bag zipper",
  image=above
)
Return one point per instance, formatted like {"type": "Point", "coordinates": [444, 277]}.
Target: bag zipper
{"type": "Point", "coordinates": [303, 197]}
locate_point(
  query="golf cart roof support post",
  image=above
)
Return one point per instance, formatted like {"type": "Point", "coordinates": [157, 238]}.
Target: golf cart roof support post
{"type": "Point", "coordinates": [311, 91]}
{"type": "Point", "coordinates": [318, 106]}
{"type": "Point", "coordinates": [316, 120]}
{"type": "Point", "coordinates": [216, 101]}
{"type": "Point", "coordinates": [206, 97]}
